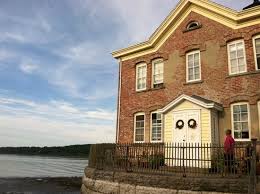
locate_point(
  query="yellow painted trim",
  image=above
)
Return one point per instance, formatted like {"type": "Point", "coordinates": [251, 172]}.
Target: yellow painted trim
{"type": "Point", "coordinates": [211, 10]}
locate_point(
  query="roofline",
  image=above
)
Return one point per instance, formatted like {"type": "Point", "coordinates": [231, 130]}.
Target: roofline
{"type": "Point", "coordinates": [230, 18]}
{"type": "Point", "coordinates": [183, 97]}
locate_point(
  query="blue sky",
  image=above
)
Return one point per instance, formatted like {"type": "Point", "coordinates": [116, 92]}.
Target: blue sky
{"type": "Point", "coordinates": [58, 81]}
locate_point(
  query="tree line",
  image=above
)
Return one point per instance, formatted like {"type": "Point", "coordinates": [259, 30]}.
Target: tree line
{"type": "Point", "coordinates": [69, 151]}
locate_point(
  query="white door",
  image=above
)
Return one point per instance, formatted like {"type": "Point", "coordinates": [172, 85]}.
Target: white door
{"type": "Point", "coordinates": [179, 134]}
{"type": "Point", "coordinates": [193, 134]}
{"type": "Point", "coordinates": [185, 136]}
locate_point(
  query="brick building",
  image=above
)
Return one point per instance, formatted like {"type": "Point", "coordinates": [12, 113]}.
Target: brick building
{"type": "Point", "coordinates": [196, 76]}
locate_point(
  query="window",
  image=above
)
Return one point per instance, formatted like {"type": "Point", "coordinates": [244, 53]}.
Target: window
{"type": "Point", "coordinates": [156, 132]}
{"type": "Point", "coordinates": [141, 77]}
{"type": "Point", "coordinates": [157, 73]}
{"type": "Point", "coordinates": [240, 121]}
{"type": "Point", "coordinates": [256, 42]}
{"type": "Point", "coordinates": [139, 127]}
{"type": "Point", "coordinates": [236, 57]}
{"type": "Point", "coordinates": [193, 66]}
{"type": "Point", "coordinates": [192, 25]}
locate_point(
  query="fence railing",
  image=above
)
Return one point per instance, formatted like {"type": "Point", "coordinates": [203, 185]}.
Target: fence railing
{"type": "Point", "coordinates": [179, 159]}
{"type": "Point", "coordinates": [174, 158]}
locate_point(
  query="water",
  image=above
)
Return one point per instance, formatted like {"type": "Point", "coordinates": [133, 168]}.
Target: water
{"type": "Point", "coordinates": [38, 166]}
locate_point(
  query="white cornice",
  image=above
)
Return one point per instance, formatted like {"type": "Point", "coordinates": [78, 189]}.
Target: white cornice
{"type": "Point", "coordinates": [184, 97]}
{"type": "Point", "coordinates": [214, 11]}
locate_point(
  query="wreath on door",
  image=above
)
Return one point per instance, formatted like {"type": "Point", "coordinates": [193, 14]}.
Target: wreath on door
{"type": "Point", "coordinates": [192, 123]}
{"type": "Point", "coordinates": [179, 124]}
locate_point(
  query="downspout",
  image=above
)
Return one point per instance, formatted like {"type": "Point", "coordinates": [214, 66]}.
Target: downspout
{"type": "Point", "coordinates": [118, 102]}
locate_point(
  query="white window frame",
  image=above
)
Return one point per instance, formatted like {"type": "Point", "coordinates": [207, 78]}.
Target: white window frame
{"type": "Point", "coordinates": [135, 115]}
{"type": "Point", "coordinates": [187, 66]}
{"type": "Point", "coordinates": [229, 62]}
{"type": "Point", "coordinates": [249, 121]}
{"type": "Point", "coordinates": [151, 128]}
{"type": "Point", "coordinates": [136, 76]}
{"type": "Point", "coordinates": [254, 45]}
{"type": "Point", "coordinates": [153, 64]}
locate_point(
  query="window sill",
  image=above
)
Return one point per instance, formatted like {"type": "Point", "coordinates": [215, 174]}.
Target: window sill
{"type": "Point", "coordinates": [151, 89]}
{"type": "Point", "coordinates": [194, 82]}
{"type": "Point", "coordinates": [244, 74]}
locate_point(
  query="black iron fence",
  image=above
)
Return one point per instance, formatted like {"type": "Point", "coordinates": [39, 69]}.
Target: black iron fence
{"type": "Point", "coordinates": [183, 159]}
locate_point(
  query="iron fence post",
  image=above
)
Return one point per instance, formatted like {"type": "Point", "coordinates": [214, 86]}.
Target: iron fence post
{"type": "Point", "coordinates": [183, 161]}
{"type": "Point", "coordinates": [252, 181]}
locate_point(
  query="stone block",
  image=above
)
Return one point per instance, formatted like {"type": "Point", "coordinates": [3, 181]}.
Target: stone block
{"type": "Point", "coordinates": [88, 183]}
{"type": "Point", "coordinates": [188, 192]}
{"type": "Point", "coordinates": [126, 189]}
{"type": "Point", "coordinates": [153, 190]}
{"type": "Point", "coordinates": [106, 187]}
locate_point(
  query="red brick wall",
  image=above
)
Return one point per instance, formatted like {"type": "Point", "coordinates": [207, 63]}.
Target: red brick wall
{"type": "Point", "coordinates": [216, 83]}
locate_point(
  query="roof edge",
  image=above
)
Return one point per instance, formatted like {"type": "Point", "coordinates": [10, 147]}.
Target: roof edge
{"type": "Point", "coordinates": [183, 97]}
{"type": "Point", "coordinates": [238, 17]}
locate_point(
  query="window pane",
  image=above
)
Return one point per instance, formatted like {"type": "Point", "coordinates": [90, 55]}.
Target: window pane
{"type": "Point", "coordinates": [236, 109]}
{"type": "Point", "coordinates": [197, 70]}
{"type": "Point", "coordinates": [233, 63]}
{"type": "Point", "coordinates": [257, 45]}
{"type": "Point", "coordinates": [237, 126]}
{"type": "Point", "coordinates": [139, 128]}
{"type": "Point", "coordinates": [196, 64]}
{"type": "Point", "coordinates": [158, 72]}
{"type": "Point", "coordinates": [241, 61]}
{"type": "Point", "coordinates": [240, 46]}
{"type": "Point", "coordinates": [243, 108]}
{"type": "Point", "coordinates": [232, 48]}
{"type": "Point", "coordinates": [240, 121]}
{"type": "Point", "coordinates": [196, 57]}
{"type": "Point", "coordinates": [237, 135]}
{"type": "Point", "coordinates": [237, 58]}
{"type": "Point", "coordinates": [233, 55]}
{"type": "Point", "coordinates": [193, 67]}
{"type": "Point", "coordinates": [190, 64]}
{"type": "Point", "coordinates": [190, 58]}
{"type": "Point", "coordinates": [241, 68]}
{"type": "Point", "coordinates": [197, 76]}
{"type": "Point", "coordinates": [190, 71]}
{"type": "Point", "coordinates": [245, 135]}
{"type": "Point", "coordinates": [141, 77]}
{"type": "Point", "coordinates": [140, 118]}
{"type": "Point", "coordinates": [236, 117]}
{"type": "Point", "coordinates": [234, 69]}
{"type": "Point", "coordinates": [240, 53]}
{"type": "Point", "coordinates": [245, 127]}
{"type": "Point", "coordinates": [244, 117]}
{"type": "Point", "coordinates": [156, 127]}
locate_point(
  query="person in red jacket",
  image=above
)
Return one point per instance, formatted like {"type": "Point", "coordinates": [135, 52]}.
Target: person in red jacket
{"type": "Point", "coordinates": [229, 147]}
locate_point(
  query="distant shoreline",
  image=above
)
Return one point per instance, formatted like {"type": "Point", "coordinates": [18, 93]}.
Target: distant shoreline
{"type": "Point", "coordinates": [49, 156]}
{"type": "Point", "coordinates": [76, 151]}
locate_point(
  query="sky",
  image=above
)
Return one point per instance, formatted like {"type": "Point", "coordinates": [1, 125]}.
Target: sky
{"type": "Point", "coordinates": [58, 80]}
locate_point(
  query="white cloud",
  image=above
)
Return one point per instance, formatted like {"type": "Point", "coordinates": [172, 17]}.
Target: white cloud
{"type": "Point", "coordinates": [56, 119]}
{"type": "Point", "coordinates": [38, 131]}
{"type": "Point", "coordinates": [28, 67]}
{"type": "Point", "coordinates": [5, 55]}
{"type": "Point", "coordinates": [60, 110]}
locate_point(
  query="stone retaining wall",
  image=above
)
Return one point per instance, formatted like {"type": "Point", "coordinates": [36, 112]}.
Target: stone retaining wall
{"type": "Point", "coordinates": [108, 182]}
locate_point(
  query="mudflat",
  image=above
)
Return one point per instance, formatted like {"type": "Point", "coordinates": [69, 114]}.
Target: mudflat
{"type": "Point", "coordinates": [40, 185]}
